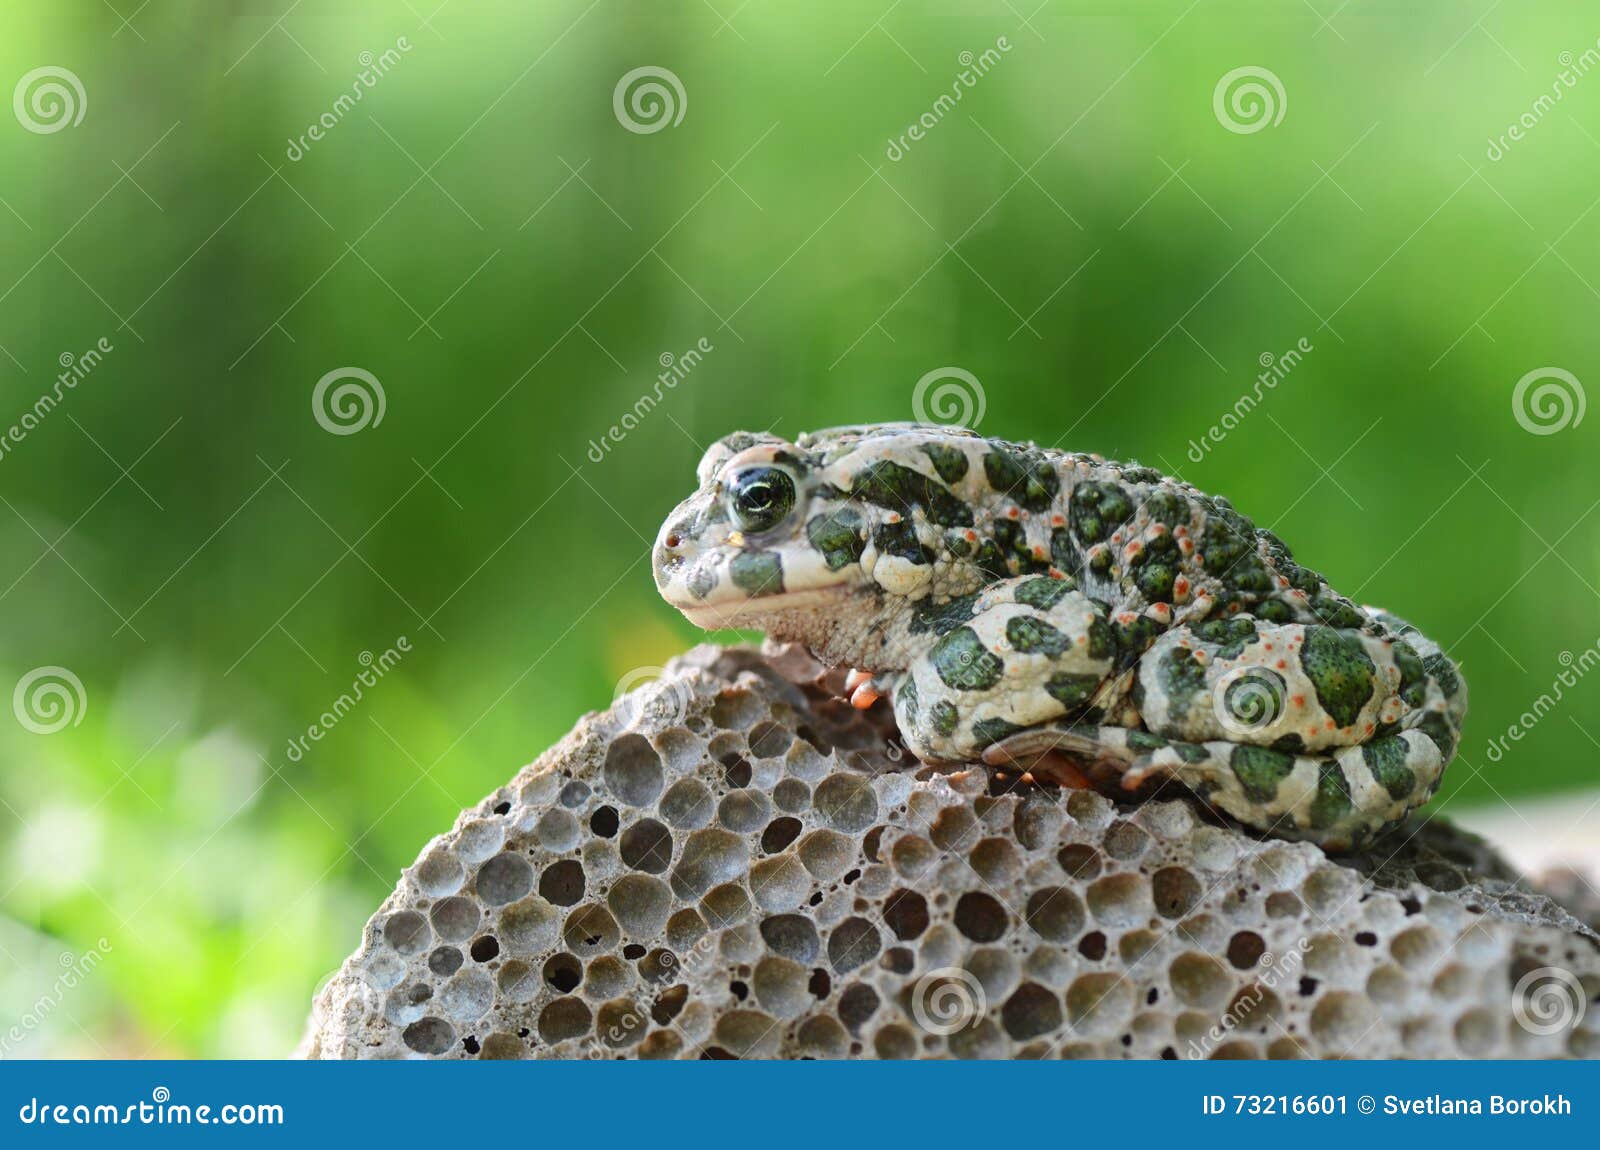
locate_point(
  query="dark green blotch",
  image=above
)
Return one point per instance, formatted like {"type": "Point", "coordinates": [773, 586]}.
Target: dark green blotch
{"type": "Point", "coordinates": [1133, 473]}
{"type": "Point", "coordinates": [1102, 639]}
{"type": "Point", "coordinates": [944, 717]}
{"type": "Point", "coordinates": [1230, 636]}
{"type": "Point", "coordinates": [1097, 509]}
{"type": "Point", "coordinates": [1413, 676]}
{"type": "Point", "coordinates": [899, 488]}
{"type": "Point", "coordinates": [837, 534]}
{"type": "Point", "coordinates": [1168, 507]}
{"type": "Point", "coordinates": [941, 617]}
{"type": "Point", "coordinates": [1336, 612]}
{"type": "Point", "coordinates": [1260, 770]}
{"type": "Point", "coordinates": [1100, 561]}
{"type": "Point", "coordinates": [1438, 728]}
{"type": "Point", "coordinates": [906, 697]}
{"type": "Point", "coordinates": [1042, 593]}
{"type": "Point", "coordinates": [1156, 568]}
{"type": "Point", "coordinates": [757, 572]}
{"type": "Point", "coordinates": [1332, 803]}
{"type": "Point", "coordinates": [900, 539]}
{"type": "Point", "coordinates": [1290, 744]}
{"type": "Point", "coordinates": [1071, 690]}
{"type": "Point", "coordinates": [1028, 478]}
{"type": "Point", "coordinates": [1273, 611]}
{"type": "Point", "coordinates": [1444, 673]}
{"type": "Point", "coordinates": [1191, 752]}
{"type": "Point", "coordinates": [992, 561]}
{"type": "Point", "coordinates": [949, 462]}
{"type": "Point", "coordinates": [1341, 671]}
{"type": "Point", "coordinates": [1386, 759]}
{"type": "Point", "coordinates": [1181, 676]}
{"type": "Point", "coordinates": [1064, 552]}
{"type": "Point", "coordinates": [1033, 637]}
{"type": "Point", "coordinates": [1145, 741]}
{"type": "Point", "coordinates": [963, 662]}
{"type": "Point", "coordinates": [990, 731]}
{"type": "Point", "coordinates": [1133, 639]}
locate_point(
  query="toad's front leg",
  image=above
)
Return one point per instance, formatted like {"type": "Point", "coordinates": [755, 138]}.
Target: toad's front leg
{"type": "Point", "coordinates": [1020, 653]}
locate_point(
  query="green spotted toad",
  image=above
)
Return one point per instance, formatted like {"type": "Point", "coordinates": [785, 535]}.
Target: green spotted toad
{"type": "Point", "coordinates": [1086, 620]}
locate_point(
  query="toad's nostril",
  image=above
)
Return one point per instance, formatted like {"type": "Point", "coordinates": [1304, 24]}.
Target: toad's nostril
{"type": "Point", "coordinates": [672, 541]}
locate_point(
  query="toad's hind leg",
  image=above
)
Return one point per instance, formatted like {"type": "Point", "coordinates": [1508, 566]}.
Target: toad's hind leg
{"type": "Point", "coordinates": [1340, 799]}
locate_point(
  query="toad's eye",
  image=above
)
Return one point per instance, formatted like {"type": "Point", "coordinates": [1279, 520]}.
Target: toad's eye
{"type": "Point", "coordinates": [760, 498]}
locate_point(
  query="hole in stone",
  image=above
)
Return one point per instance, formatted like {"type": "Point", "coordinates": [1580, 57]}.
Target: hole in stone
{"type": "Point", "coordinates": [820, 985]}
{"type": "Point", "coordinates": [562, 883]}
{"type": "Point", "coordinates": [632, 951]}
{"type": "Point", "coordinates": [980, 917]}
{"type": "Point", "coordinates": [444, 961]}
{"type": "Point", "coordinates": [485, 948]}
{"type": "Point", "coordinates": [736, 771]}
{"type": "Point", "coordinates": [1093, 946]}
{"type": "Point", "coordinates": [668, 1003]}
{"type": "Point", "coordinates": [780, 833]}
{"type": "Point", "coordinates": [564, 972]}
{"type": "Point", "coordinates": [1245, 949]}
{"type": "Point", "coordinates": [647, 846]}
{"type": "Point", "coordinates": [1079, 861]}
{"type": "Point", "coordinates": [906, 913]}
{"type": "Point", "coordinates": [604, 822]}
{"type": "Point", "coordinates": [1366, 938]}
{"type": "Point", "coordinates": [502, 808]}
{"type": "Point", "coordinates": [1308, 986]}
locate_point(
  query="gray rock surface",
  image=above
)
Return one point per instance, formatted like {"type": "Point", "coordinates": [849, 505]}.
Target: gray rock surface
{"type": "Point", "coordinates": [733, 863]}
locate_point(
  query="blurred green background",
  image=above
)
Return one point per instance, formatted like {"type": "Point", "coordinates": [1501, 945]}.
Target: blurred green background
{"type": "Point", "coordinates": [484, 235]}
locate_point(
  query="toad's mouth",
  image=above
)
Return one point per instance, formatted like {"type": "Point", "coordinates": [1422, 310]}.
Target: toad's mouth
{"type": "Point", "coordinates": [761, 612]}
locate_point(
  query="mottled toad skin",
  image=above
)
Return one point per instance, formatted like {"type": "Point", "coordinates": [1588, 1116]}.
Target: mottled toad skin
{"type": "Point", "coordinates": [1020, 602]}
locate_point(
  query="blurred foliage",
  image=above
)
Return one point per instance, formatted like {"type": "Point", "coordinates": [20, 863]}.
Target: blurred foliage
{"type": "Point", "coordinates": [483, 235]}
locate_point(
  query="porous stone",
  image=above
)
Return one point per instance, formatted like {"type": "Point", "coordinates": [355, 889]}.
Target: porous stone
{"type": "Point", "coordinates": [757, 870]}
